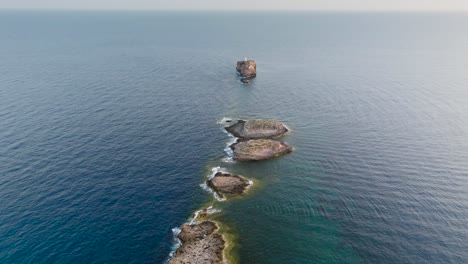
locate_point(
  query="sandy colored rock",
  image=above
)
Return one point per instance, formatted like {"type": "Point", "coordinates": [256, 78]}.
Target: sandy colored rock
{"type": "Point", "coordinates": [257, 128]}
{"type": "Point", "coordinates": [225, 184]}
{"type": "Point", "coordinates": [259, 149]}
{"type": "Point", "coordinates": [247, 70]}
{"type": "Point", "coordinates": [201, 244]}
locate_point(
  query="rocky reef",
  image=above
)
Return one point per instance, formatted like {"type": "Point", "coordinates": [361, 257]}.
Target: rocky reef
{"type": "Point", "coordinates": [225, 184]}
{"type": "Point", "coordinates": [201, 243]}
{"type": "Point", "coordinates": [259, 149]}
{"type": "Point", "coordinates": [257, 128]}
{"type": "Point", "coordinates": [247, 70]}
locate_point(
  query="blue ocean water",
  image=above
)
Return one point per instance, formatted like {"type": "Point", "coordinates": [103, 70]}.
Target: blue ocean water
{"type": "Point", "coordinates": [108, 124]}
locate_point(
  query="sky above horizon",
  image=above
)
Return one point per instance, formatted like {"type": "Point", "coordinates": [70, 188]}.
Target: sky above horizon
{"type": "Point", "coordinates": [433, 5]}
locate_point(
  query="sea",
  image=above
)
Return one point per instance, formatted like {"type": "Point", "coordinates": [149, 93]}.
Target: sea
{"type": "Point", "coordinates": [110, 121]}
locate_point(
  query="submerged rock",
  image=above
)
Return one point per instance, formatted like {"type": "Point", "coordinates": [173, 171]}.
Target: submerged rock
{"type": "Point", "coordinates": [246, 80]}
{"type": "Point", "coordinates": [204, 213]}
{"type": "Point", "coordinates": [201, 243]}
{"type": "Point", "coordinates": [247, 69]}
{"type": "Point", "coordinates": [259, 149]}
{"type": "Point", "coordinates": [258, 128]}
{"type": "Point", "coordinates": [225, 184]}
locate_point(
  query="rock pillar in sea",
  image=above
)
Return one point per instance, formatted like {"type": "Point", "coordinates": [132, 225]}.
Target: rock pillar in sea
{"type": "Point", "coordinates": [247, 70]}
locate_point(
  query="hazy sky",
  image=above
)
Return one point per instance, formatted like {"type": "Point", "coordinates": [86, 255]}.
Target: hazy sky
{"type": "Point", "coordinates": [242, 4]}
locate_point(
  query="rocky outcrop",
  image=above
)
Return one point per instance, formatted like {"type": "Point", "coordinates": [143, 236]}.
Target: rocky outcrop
{"type": "Point", "coordinates": [247, 70]}
{"type": "Point", "coordinates": [201, 244]}
{"type": "Point", "coordinates": [225, 184]}
{"type": "Point", "coordinates": [258, 128]}
{"type": "Point", "coordinates": [259, 149]}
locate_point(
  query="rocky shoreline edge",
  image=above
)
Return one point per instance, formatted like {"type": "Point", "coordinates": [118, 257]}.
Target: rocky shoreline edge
{"type": "Point", "coordinates": [199, 240]}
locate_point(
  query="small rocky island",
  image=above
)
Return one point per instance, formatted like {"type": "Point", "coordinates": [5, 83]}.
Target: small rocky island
{"type": "Point", "coordinates": [201, 243]}
{"type": "Point", "coordinates": [247, 70]}
{"type": "Point", "coordinates": [259, 149]}
{"type": "Point", "coordinates": [225, 184]}
{"type": "Point", "coordinates": [258, 128]}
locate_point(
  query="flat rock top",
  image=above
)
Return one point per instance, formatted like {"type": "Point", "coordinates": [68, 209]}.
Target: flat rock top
{"type": "Point", "coordinates": [259, 149]}
{"type": "Point", "coordinates": [227, 184]}
{"type": "Point", "coordinates": [257, 128]}
{"type": "Point", "coordinates": [200, 244]}
{"type": "Point", "coordinates": [197, 231]}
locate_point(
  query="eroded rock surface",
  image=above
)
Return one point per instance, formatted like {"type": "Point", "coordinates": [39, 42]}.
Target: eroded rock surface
{"type": "Point", "coordinates": [201, 244]}
{"type": "Point", "coordinates": [225, 184]}
{"type": "Point", "coordinates": [257, 128]}
{"type": "Point", "coordinates": [259, 149]}
{"type": "Point", "coordinates": [247, 70]}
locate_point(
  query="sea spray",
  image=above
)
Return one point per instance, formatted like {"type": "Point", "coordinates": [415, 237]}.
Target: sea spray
{"type": "Point", "coordinates": [232, 139]}
{"type": "Point", "coordinates": [176, 242]}
{"type": "Point", "coordinates": [225, 121]}
{"type": "Point", "coordinates": [228, 149]}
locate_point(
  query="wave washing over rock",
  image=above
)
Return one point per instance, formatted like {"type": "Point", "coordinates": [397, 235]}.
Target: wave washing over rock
{"type": "Point", "coordinates": [227, 121]}
{"type": "Point", "coordinates": [205, 186]}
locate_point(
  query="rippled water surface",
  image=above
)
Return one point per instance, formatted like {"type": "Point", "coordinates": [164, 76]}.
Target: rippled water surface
{"type": "Point", "coordinates": [108, 124]}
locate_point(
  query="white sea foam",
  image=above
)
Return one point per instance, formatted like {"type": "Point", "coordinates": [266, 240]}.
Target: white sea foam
{"type": "Point", "coordinates": [176, 244]}
{"type": "Point", "coordinates": [250, 185]}
{"type": "Point", "coordinates": [210, 210]}
{"type": "Point", "coordinates": [232, 139]}
{"type": "Point", "coordinates": [193, 220]}
{"type": "Point", "coordinates": [205, 187]}
{"type": "Point", "coordinates": [228, 150]}
{"type": "Point", "coordinates": [176, 231]}
{"type": "Point", "coordinates": [226, 121]}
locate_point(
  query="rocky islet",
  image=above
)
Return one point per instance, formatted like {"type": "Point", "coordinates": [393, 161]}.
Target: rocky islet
{"type": "Point", "coordinates": [257, 129]}
{"type": "Point", "coordinates": [247, 70]}
{"type": "Point", "coordinates": [200, 241]}
{"type": "Point", "coordinates": [259, 149]}
{"type": "Point", "coordinates": [228, 185]}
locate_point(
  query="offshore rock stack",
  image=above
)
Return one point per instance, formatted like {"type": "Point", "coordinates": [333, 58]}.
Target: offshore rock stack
{"type": "Point", "coordinates": [247, 70]}
{"type": "Point", "coordinates": [228, 185]}
{"type": "Point", "coordinates": [199, 239]}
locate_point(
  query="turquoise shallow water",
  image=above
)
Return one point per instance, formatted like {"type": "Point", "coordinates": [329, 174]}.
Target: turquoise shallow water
{"type": "Point", "coordinates": [108, 126]}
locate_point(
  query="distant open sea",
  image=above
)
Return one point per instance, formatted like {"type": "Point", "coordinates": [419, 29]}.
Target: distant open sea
{"type": "Point", "coordinates": [108, 124]}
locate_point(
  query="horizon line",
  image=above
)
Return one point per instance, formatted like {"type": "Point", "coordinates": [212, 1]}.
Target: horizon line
{"type": "Point", "coordinates": [240, 10]}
